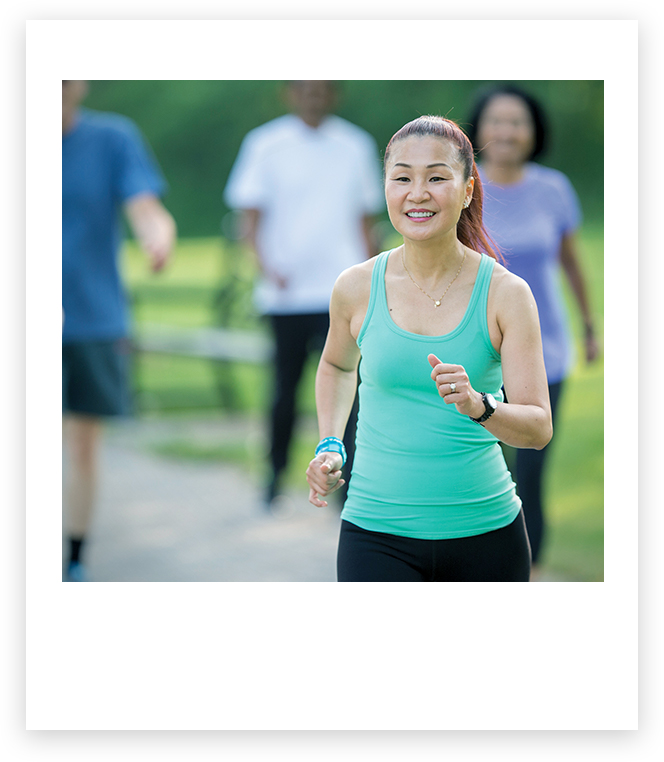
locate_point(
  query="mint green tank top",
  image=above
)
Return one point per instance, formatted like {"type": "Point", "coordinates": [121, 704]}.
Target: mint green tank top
{"type": "Point", "coordinates": [421, 468]}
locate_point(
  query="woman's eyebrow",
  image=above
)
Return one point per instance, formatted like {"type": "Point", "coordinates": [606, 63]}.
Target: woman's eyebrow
{"type": "Point", "coordinates": [429, 166]}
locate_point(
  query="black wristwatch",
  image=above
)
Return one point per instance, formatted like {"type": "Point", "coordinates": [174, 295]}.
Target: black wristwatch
{"type": "Point", "coordinates": [490, 406]}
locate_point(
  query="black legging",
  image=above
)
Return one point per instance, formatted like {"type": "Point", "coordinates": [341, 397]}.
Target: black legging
{"type": "Point", "coordinates": [529, 483]}
{"type": "Point", "coordinates": [499, 556]}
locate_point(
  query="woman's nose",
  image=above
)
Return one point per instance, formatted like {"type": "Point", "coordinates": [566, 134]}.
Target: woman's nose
{"type": "Point", "coordinates": [418, 190]}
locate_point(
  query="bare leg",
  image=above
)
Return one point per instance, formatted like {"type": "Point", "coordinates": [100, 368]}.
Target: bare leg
{"type": "Point", "coordinates": [81, 437]}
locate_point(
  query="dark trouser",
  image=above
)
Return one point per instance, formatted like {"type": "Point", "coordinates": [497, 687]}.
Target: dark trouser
{"type": "Point", "coordinates": [529, 483]}
{"type": "Point", "coordinates": [296, 336]}
{"type": "Point", "coordinates": [499, 556]}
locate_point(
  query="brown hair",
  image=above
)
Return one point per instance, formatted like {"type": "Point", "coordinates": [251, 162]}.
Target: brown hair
{"type": "Point", "coordinates": [470, 228]}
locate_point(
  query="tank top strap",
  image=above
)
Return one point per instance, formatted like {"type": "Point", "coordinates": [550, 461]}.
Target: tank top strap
{"type": "Point", "coordinates": [378, 277]}
{"type": "Point", "coordinates": [377, 295]}
{"type": "Point", "coordinates": [484, 274]}
{"type": "Point", "coordinates": [480, 299]}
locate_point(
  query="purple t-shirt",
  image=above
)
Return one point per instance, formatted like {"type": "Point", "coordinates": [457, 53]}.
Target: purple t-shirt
{"type": "Point", "coordinates": [528, 221]}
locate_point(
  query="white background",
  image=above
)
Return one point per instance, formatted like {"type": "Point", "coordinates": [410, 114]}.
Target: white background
{"type": "Point", "coordinates": [315, 656]}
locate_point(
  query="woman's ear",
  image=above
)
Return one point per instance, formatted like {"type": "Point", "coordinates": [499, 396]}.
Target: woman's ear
{"type": "Point", "coordinates": [469, 191]}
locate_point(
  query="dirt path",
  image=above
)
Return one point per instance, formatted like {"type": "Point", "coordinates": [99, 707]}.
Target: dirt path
{"type": "Point", "coordinates": [160, 519]}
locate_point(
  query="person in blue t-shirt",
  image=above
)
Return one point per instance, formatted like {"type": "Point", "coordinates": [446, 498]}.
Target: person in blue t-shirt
{"type": "Point", "coordinates": [107, 170]}
{"type": "Point", "coordinates": [532, 213]}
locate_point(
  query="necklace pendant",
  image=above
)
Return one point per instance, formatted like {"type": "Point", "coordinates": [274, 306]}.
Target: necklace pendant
{"type": "Point", "coordinates": [437, 303]}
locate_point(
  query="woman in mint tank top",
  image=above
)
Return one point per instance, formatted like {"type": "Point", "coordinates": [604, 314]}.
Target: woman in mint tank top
{"type": "Point", "coordinates": [441, 328]}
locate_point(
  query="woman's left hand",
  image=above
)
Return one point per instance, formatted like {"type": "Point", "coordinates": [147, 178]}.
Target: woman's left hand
{"type": "Point", "coordinates": [454, 387]}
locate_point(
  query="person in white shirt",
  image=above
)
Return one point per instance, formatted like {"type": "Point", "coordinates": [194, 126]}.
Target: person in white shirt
{"type": "Point", "coordinates": [309, 186]}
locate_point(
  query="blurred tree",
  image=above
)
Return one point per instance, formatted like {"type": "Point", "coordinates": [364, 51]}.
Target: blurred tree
{"type": "Point", "coordinates": [195, 127]}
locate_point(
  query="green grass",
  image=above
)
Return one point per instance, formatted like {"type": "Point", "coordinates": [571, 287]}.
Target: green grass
{"type": "Point", "coordinates": [574, 486]}
{"type": "Point", "coordinates": [188, 291]}
{"type": "Point", "coordinates": [185, 295]}
{"type": "Point", "coordinates": [575, 480]}
{"type": "Point", "coordinates": [247, 454]}
{"type": "Point", "coordinates": [241, 452]}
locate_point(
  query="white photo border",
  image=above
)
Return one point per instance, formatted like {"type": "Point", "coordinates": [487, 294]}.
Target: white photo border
{"type": "Point", "coordinates": [277, 656]}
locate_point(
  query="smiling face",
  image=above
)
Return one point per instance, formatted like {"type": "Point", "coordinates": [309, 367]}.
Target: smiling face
{"type": "Point", "coordinates": [506, 133]}
{"type": "Point", "coordinates": [425, 187]}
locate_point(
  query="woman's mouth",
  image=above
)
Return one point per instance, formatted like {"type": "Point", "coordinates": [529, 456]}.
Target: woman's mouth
{"type": "Point", "coordinates": [419, 214]}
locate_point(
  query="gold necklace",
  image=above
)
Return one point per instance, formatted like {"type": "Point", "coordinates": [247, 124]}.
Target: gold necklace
{"type": "Point", "coordinates": [436, 302]}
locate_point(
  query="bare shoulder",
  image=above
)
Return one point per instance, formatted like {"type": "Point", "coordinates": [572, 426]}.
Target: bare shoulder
{"type": "Point", "coordinates": [511, 301]}
{"type": "Point", "coordinates": [353, 286]}
{"type": "Point", "coordinates": [508, 289]}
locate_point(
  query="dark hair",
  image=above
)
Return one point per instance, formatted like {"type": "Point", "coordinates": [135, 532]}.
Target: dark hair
{"type": "Point", "coordinates": [470, 229]}
{"type": "Point", "coordinates": [536, 113]}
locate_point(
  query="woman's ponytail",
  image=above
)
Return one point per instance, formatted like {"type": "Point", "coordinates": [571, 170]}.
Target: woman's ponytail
{"type": "Point", "coordinates": [470, 228]}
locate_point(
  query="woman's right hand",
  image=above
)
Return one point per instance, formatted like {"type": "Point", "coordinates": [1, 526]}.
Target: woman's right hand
{"type": "Point", "coordinates": [324, 477]}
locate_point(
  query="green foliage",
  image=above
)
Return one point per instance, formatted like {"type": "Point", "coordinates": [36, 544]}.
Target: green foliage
{"type": "Point", "coordinates": [195, 127]}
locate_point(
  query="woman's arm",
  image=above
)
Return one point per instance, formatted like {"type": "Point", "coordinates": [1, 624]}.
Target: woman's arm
{"type": "Point", "coordinates": [570, 263]}
{"type": "Point", "coordinates": [336, 384]}
{"type": "Point", "coordinates": [526, 421]}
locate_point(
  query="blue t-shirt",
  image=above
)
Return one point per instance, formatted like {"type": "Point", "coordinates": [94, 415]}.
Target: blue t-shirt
{"type": "Point", "coordinates": [528, 221]}
{"type": "Point", "coordinates": [105, 162]}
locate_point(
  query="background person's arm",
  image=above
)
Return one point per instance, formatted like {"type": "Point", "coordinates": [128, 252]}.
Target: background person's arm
{"type": "Point", "coordinates": [251, 220]}
{"type": "Point", "coordinates": [569, 260]}
{"type": "Point", "coordinates": [371, 242]}
{"type": "Point", "coordinates": [153, 226]}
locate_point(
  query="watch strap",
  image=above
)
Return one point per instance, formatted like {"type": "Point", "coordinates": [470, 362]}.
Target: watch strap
{"type": "Point", "coordinates": [488, 411]}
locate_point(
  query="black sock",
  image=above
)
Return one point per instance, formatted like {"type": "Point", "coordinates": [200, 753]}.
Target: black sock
{"type": "Point", "coordinates": [75, 547]}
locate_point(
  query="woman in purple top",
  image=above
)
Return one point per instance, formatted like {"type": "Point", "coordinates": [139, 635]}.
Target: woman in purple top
{"type": "Point", "coordinates": [531, 212]}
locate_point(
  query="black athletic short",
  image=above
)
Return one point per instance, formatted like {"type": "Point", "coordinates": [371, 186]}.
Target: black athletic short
{"type": "Point", "coordinates": [502, 555]}
{"type": "Point", "coordinates": [95, 377]}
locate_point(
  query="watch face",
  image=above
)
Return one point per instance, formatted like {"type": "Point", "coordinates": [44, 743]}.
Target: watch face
{"type": "Point", "coordinates": [492, 401]}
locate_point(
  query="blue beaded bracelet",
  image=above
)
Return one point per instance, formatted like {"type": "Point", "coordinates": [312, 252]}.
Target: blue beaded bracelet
{"type": "Point", "coordinates": [332, 444]}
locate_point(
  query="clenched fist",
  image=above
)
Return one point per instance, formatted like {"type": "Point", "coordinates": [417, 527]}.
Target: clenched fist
{"type": "Point", "coordinates": [454, 387]}
{"type": "Point", "coordinates": [324, 477]}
